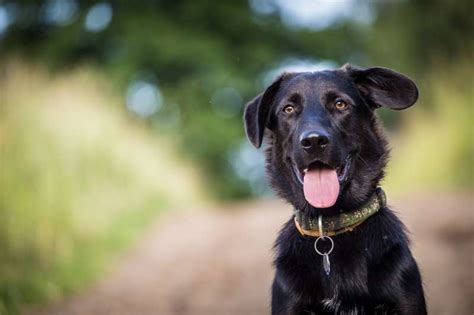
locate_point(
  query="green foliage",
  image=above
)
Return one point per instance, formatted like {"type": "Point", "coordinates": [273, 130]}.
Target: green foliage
{"type": "Point", "coordinates": [79, 181]}
{"type": "Point", "coordinates": [412, 36]}
{"type": "Point", "coordinates": [435, 149]}
{"type": "Point", "coordinates": [191, 49]}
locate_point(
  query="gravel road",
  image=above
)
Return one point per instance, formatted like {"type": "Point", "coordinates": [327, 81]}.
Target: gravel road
{"type": "Point", "coordinates": [219, 262]}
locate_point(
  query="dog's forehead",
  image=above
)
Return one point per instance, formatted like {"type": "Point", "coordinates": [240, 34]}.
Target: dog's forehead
{"type": "Point", "coordinates": [310, 82]}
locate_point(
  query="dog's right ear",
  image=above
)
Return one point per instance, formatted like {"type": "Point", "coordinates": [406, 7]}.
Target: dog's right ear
{"type": "Point", "coordinates": [257, 112]}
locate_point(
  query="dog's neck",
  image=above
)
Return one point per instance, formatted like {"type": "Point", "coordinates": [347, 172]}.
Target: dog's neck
{"type": "Point", "coordinates": [307, 224]}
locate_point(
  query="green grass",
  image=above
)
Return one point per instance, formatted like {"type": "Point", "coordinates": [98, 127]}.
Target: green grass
{"type": "Point", "coordinates": [79, 180]}
{"type": "Point", "coordinates": [434, 149]}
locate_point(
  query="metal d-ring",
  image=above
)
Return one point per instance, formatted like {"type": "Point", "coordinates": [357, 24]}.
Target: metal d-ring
{"type": "Point", "coordinates": [323, 238]}
{"type": "Point", "coordinates": [325, 255]}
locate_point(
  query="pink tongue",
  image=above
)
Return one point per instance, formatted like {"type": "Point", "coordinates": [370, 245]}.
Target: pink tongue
{"type": "Point", "coordinates": [321, 187]}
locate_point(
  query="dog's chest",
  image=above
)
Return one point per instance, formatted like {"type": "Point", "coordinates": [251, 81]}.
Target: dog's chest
{"type": "Point", "coordinates": [304, 271]}
{"type": "Point", "coordinates": [344, 291]}
{"type": "Point", "coordinates": [332, 303]}
{"type": "Point", "coordinates": [345, 276]}
{"type": "Point", "coordinates": [348, 273]}
{"type": "Point", "coordinates": [355, 274]}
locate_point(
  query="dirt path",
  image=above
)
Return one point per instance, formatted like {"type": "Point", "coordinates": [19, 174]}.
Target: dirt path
{"type": "Point", "coordinates": [220, 262]}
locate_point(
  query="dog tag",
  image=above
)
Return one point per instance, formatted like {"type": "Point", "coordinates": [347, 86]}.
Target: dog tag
{"type": "Point", "coordinates": [325, 253]}
{"type": "Point", "coordinates": [326, 264]}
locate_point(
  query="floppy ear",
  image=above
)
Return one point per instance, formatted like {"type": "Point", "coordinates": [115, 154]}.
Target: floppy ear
{"type": "Point", "coordinates": [257, 112]}
{"type": "Point", "coordinates": [384, 87]}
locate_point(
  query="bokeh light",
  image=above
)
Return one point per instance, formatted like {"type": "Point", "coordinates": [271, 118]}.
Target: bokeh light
{"type": "Point", "coordinates": [297, 65]}
{"type": "Point", "coordinates": [227, 102]}
{"type": "Point", "coordinates": [143, 98]}
{"type": "Point", "coordinates": [98, 17]}
{"type": "Point", "coordinates": [59, 12]}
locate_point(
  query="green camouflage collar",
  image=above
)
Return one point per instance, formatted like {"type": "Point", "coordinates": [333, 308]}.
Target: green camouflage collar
{"type": "Point", "coordinates": [343, 222]}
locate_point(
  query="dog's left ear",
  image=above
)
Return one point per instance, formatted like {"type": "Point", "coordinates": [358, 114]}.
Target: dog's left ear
{"type": "Point", "coordinates": [384, 87]}
{"type": "Point", "coordinates": [257, 112]}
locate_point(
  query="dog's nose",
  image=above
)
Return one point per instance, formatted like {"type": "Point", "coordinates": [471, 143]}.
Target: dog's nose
{"type": "Point", "coordinates": [312, 140]}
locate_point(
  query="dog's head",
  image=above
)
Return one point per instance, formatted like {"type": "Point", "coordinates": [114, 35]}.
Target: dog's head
{"type": "Point", "coordinates": [326, 148]}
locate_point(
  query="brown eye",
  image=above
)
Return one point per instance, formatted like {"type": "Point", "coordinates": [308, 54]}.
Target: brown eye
{"type": "Point", "coordinates": [340, 105]}
{"type": "Point", "coordinates": [288, 109]}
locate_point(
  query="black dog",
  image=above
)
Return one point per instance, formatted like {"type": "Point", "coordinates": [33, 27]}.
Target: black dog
{"type": "Point", "coordinates": [326, 156]}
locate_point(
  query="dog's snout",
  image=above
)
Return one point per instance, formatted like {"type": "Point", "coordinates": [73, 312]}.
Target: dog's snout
{"type": "Point", "coordinates": [313, 140]}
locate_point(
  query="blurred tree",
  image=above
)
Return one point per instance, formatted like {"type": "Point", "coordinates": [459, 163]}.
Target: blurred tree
{"type": "Point", "coordinates": [195, 50]}
{"type": "Point", "coordinates": [191, 49]}
{"type": "Point", "coordinates": [415, 35]}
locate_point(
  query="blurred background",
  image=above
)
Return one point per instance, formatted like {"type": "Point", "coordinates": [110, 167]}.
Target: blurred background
{"type": "Point", "coordinates": [127, 184]}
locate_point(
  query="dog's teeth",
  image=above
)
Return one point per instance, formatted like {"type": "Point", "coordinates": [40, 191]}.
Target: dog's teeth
{"type": "Point", "coordinates": [305, 170]}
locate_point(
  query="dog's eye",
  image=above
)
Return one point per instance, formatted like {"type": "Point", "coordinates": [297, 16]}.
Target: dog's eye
{"type": "Point", "coordinates": [340, 105]}
{"type": "Point", "coordinates": [288, 109]}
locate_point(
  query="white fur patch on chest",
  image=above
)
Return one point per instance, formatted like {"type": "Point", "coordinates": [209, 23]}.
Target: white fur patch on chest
{"type": "Point", "coordinates": [332, 303]}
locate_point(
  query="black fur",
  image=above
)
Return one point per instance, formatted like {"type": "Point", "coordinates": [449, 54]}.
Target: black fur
{"type": "Point", "coordinates": [372, 269]}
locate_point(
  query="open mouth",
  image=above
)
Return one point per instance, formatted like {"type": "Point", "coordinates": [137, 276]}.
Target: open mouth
{"type": "Point", "coordinates": [342, 171]}
{"type": "Point", "coordinates": [322, 183]}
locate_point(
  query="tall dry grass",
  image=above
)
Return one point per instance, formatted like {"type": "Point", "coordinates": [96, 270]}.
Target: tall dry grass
{"type": "Point", "coordinates": [79, 179]}
{"type": "Point", "coordinates": [434, 148]}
